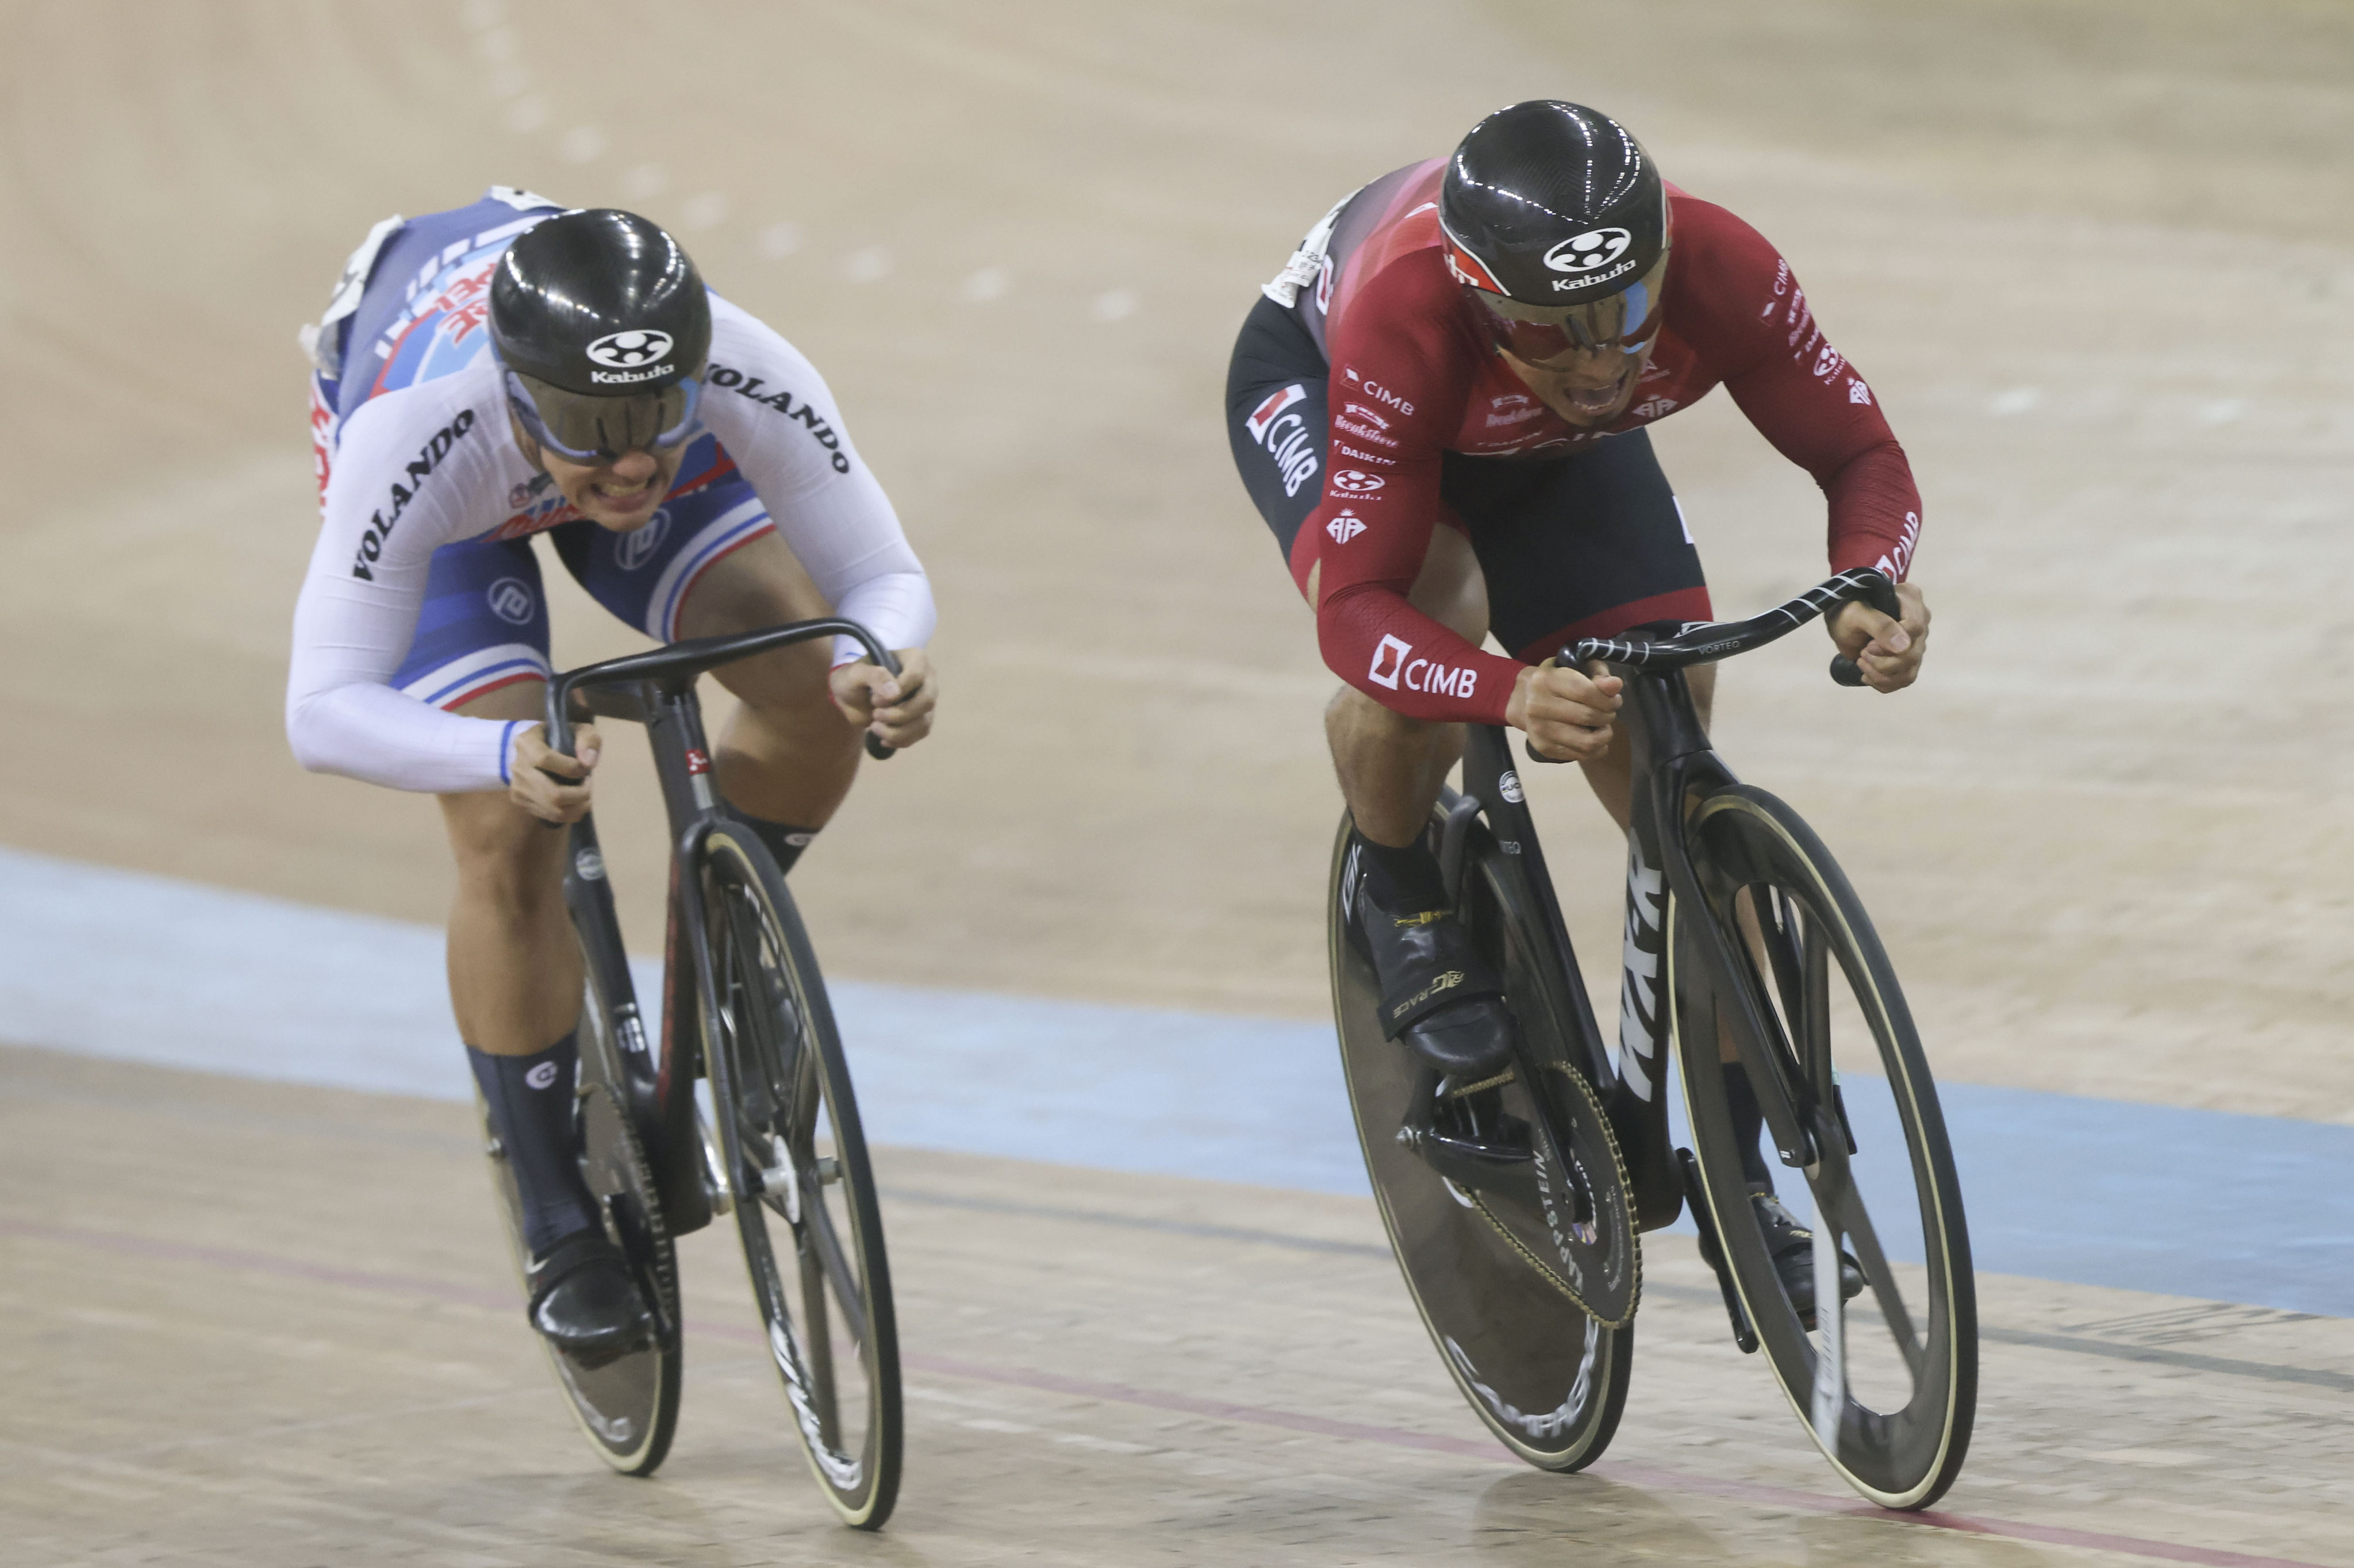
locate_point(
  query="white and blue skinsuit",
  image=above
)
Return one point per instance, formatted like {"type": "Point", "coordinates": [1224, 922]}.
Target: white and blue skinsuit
{"type": "Point", "coordinates": [424, 591]}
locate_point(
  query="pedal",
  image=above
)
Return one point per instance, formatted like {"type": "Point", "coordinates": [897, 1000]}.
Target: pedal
{"type": "Point", "coordinates": [1500, 1164]}
{"type": "Point", "coordinates": [1713, 1253]}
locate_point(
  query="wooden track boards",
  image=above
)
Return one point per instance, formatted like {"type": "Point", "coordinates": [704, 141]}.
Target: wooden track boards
{"type": "Point", "coordinates": [263, 1326]}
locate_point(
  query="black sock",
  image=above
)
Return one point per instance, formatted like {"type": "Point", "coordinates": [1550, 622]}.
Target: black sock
{"type": "Point", "coordinates": [1402, 879]}
{"type": "Point", "coordinates": [1748, 1125]}
{"type": "Point", "coordinates": [531, 1100]}
{"type": "Point", "coordinates": [785, 842]}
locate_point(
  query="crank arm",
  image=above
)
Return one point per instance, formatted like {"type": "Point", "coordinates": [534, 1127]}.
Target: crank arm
{"type": "Point", "coordinates": [1711, 1252]}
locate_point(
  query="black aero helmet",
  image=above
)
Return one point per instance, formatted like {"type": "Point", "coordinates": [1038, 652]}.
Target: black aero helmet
{"type": "Point", "coordinates": [603, 326]}
{"type": "Point", "coordinates": [1548, 204]}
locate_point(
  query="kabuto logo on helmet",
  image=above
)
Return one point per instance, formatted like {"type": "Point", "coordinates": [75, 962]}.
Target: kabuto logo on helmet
{"type": "Point", "coordinates": [628, 350]}
{"type": "Point", "coordinates": [1590, 251]}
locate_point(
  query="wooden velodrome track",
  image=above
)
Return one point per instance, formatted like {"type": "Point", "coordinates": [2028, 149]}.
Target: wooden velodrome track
{"type": "Point", "coordinates": [2094, 257]}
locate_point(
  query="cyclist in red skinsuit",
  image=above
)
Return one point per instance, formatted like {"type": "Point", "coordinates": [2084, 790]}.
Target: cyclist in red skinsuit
{"type": "Point", "coordinates": [1478, 340]}
{"type": "Point", "coordinates": [1408, 350]}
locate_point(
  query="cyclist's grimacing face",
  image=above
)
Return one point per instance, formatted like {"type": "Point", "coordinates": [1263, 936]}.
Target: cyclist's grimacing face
{"type": "Point", "coordinates": [620, 494]}
{"type": "Point", "coordinates": [1587, 388]}
{"type": "Point", "coordinates": [1582, 361]}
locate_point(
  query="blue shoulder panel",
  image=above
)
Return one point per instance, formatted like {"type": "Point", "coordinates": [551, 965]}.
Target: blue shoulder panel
{"type": "Point", "coordinates": [423, 309]}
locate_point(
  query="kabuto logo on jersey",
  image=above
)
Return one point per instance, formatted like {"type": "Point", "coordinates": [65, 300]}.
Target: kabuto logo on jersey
{"type": "Point", "coordinates": [420, 467]}
{"type": "Point", "coordinates": [1356, 481]}
{"type": "Point", "coordinates": [745, 385]}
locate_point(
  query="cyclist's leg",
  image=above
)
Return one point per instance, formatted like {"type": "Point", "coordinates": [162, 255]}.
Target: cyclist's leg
{"type": "Point", "coordinates": [481, 649]}
{"type": "Point", "coordinates": [788, 752]}
{"type": "Point", "coordinates": [1438, 993]}
{"type": "Point", "coordinates": [1391, 767]}
{"type": "Point", "coordinates": [1589, 546]}
{"type": "Point", "coordinates": [1585, 547]}
{"type": "Point", "coordinates": [711, 564]}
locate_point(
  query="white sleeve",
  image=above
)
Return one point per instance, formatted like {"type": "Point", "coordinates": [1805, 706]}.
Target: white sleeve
{"type": "Point", "coordinates": [358, 609]}
{"type": "Point", "coordinates": [772, 411]}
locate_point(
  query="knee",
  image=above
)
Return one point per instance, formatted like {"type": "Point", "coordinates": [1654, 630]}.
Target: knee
{"type": "Point", "coordinates": [1352, 717]}
{"type": "Point", "coordinates": [513, 869]}
{"type": "Point", "coordinates": [790, 689]}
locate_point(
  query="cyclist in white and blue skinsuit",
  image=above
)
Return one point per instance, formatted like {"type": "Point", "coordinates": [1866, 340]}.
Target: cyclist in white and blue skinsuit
{"type": "Point", "coordinates": [692, 471]}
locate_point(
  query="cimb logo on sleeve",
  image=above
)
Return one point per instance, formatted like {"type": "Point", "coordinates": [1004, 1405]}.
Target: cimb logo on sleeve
{"type": "Point", "coordinates": [1388, 660]}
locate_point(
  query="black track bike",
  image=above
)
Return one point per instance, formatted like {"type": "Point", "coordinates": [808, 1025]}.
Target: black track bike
{"type": "Point", "coordinates": [742, 1106]}
{"type": "Point", "coordinates": [1515, 1205]}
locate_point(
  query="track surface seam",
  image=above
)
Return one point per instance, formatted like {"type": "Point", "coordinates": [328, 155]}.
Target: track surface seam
{"type": "Point", "coordinates": [415, 1285]}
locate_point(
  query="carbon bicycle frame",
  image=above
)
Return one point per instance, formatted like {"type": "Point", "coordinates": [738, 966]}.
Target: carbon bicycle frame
{"type": "Point", "coordinates": [656, 689]}
{"type": "Point", "coordinates": [1674, 768]}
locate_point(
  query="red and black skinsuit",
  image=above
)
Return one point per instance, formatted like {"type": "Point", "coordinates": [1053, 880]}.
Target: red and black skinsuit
{"type": "Point", "coordinates": [1419, 416]}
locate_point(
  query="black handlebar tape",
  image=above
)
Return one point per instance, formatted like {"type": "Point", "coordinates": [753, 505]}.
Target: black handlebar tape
{"type": "Point", "coordinates": [1881, 595]}
{"type": "Point", "coordinates": [877, 750]}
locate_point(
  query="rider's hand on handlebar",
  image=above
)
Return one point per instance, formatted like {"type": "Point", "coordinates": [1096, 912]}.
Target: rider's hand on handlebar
{"type": "Point", "coordinates": [1887, 651]}
{"type": "Point", "coordinates": [1566, 715]}
{"type": "Point", "coordinates": [552, 800]}
{"type": "Point", "coordinates": [897, 711]}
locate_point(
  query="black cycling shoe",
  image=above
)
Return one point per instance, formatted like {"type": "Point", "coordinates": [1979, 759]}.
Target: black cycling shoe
{"type": "Point", "coordinates": [585, 1302]}
{"type": "Point", "coordinates": [1792, 1246]}
{"type": "Point", "coordinates": [1438, 993]}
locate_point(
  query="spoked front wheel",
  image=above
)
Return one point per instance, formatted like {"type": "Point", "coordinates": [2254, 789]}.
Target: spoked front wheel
{"type": "Point", "coordinates": [626, 1407]}
{"type": "Point", "coordinates": [803, 1192]}
{"type": "Point", "coordinates": [1886, 1380]}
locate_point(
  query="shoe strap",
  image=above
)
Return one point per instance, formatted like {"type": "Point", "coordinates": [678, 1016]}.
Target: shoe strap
{"type": "Point", "coordinates": [568, 1256]}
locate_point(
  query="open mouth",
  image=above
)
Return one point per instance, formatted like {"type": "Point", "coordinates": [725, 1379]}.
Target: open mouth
{"type": "Point", "coordinates": [621, 495]}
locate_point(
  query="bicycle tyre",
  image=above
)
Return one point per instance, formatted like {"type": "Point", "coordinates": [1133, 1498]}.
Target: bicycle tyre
{"type": "Point", "coordinates": [627, 1408]}
{"type": "Point", "coordinates": [1825, 977]}
{"type": "Point", "coordinates": [789, 1133]}
{"type": "Point", "coordinates": [1541, 1373]}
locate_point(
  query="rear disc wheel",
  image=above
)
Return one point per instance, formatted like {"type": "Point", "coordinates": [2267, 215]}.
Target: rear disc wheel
{"type": "Point", "coordinates": [1497, 1272]}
